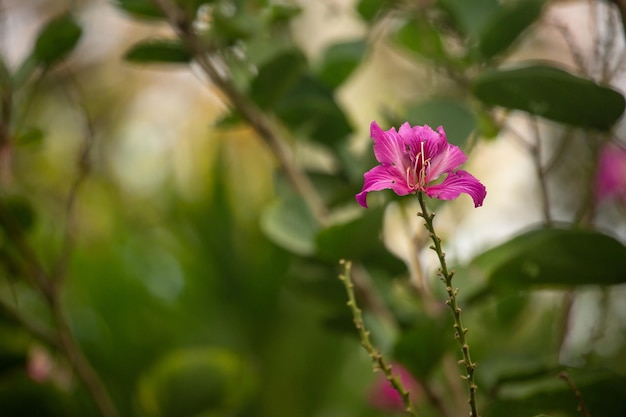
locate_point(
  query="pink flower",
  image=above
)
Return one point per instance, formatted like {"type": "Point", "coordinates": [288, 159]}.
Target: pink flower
{"type": "Point", "coordinates": [412, 159]}
{"type": "Point", "coordinates": [383, 395]}
{"type": "Point", "coordinates": [611, 173]}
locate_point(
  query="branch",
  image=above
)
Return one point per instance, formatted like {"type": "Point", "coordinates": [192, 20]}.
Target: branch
{"type": "Point", "coordinates": [251, 113]}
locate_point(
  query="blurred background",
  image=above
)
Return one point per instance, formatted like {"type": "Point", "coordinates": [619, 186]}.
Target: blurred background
{"type": "Point", "coordinates": [196, 278]}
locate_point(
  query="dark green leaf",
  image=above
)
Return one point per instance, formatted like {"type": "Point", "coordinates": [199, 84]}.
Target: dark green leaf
{"type": "Point", "coordinates": [340, 60]}
{"type": "Point", "coordinates": [276, 77]}
{"type": "Point", "coordinates": [30, 137]}
{"type": "Point", "coordinates": [456, 119]}
{"type": "Point", "coordinates": [353, 239]}
{"type": "Point", "coordinates": [17, 212]}
{"type": "Point", "coordinates": [310, 107]}
{"type": "Point", "coordinates": [420, 37]}
{"type": "Point", "coordinates": [57, 39]}
{"type": "Point", "coordinates": [280, 13]}
{"type": "Point", "coordinates": [145, 9]}
{"type": "Point", "coordinates": [507, 24]}
{"type": "Point", "coordinates": [470, 17]}
{"type": "Point", "coordinates": [290, 225]}
{"type": "Point", "coordinates": [170, 51]}
{"type": "Point", "coordinates": [551, 93]}
{"type": "Point", "coordinates": [554, 258]}
{"type": "Point", "coordinates": [421, 348]}
{"type": "Point", "coordinates": [369, 9]}
{"type": "Point", "coordinates": [231, 28]}
{"type": "Point", "coordinates": [602, 392]}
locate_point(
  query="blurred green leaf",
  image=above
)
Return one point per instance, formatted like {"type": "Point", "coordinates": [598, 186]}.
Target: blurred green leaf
{"type": "Point", "coordinates": [189, 383]}
{"type": "Point", "coordinates": [310, 109]}
{"type": "Point", "coordinates": [340, 60]}
{"type": "Point", "coordinates": [277, 76]}
{"type": "Point", "coordinates": [470, 17]}
{"type": "Point", "coordinates": [603, 393]}
{"type": "Point", "coordinates": [352, 239]}
{"type": "Point", "coordinates": [421, 347]}
{"type": "Point", "coordinates": [507, 24]}
{"type": "Point", "coordinates": [21, 396]}
{"type": "Point", "coordinates": [17, 211]}
{"type": "Point", "coordinates": [145, 9]}
{"type": "Point", "coordinates": [57, 39]}
{"type": "Point", "coordinates": [24, 71]}
{"type": "Point", "coordinates": [32, 136]}
{"type": "Point", "coordinates": [231, 25]}
{"type": "Point", "coordinates": [281, 13]}
{"type": "Point", "coordinates": [554, 258]}
{"type": "Point", "coordinates": [369, 9]}
{"type": "Point", "coordinates": [419, 36]}
{"type": "Point", "coordinates": [158, 51]}
{"type": "Point", "coordinates": [290, 224]}
{"type": "Point", "coordinates": [551, 93]}
{"type": "Point", "coordinates": [456, 119]}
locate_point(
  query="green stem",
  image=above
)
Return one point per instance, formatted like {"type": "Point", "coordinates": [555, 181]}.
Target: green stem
{"type": "Point", "coordinates": [460, 331]}
{"type": "Point", "coordinates": [374, 354]}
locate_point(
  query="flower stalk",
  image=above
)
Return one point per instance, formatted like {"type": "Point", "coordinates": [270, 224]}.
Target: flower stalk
{"type": "Point", "coordinates": [375, 355]}
{"type": "Point", "coordinates": [459, 330]}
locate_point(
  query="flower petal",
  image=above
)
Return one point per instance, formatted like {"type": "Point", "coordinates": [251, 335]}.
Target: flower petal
{"type": "Point", "coordinates": [611, 173]}
{"type": "Point", "coordinates": [456, 183]}
{"type": "Point", "coordinates": [379, 178]}
{"type": "Point", "coordinates": [444, 157]}
{"type": "Point", "coordinates": [389, 147]}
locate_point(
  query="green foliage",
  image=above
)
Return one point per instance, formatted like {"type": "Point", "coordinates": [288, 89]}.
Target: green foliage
{"type": "Point", "coordinates": [422, 38]}
{"type": "Point", "coordinates": [456, 119]}
{"type": "Point", "coordinates": [507, 24]}
{"type": "Point", "coordinates": [339, 61]}
{"type": "Point", "coordinates": [56, 40]}
{"type": "Point", "coordinates": [189, 383]}
{"type": "Point", "coordinates": [289, 224]}
{"type": "Point", "coordinates": [158, 51]}
{"type": "Point", "coordinates": [553, 258]}
{"type": "Point", "coordinates": [145, 9]}
{"type": "Point", "coordinates": [470, 18]}
{"type": "Point", "coordinates": [551, 93]}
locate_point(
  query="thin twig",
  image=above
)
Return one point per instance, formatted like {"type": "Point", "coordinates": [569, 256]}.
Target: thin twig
{"type": "Point", "coordinates": [581, 403]}
{"type": "Point", "coordinates": [37, 330]}
{"type": "Point", "coordinates": [255, 117]}
{"type": "Point", "coordinates": [536, 153]}
{"type": "Point", "coordinates": [375, 355]}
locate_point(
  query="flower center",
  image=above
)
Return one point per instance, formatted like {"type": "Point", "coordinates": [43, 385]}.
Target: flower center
{"type": "Point", "coordinates": [416, 174]}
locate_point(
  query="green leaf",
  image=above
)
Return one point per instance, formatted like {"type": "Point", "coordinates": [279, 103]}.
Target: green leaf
{"type": "Point", "coordinates": [310, 107]}
{"type": "Point", "coordinates": [553, 258]}
{"type": "Point", "coordinates": [145, 9]}
{"type": "Point", "coordinates": [507, 24]}
{"type": "Point", "coordinates": [160, 51]}
{"type": "Point", "coordinates": [281, 13]}
{"type": "Point", "coordinates": [369, 9]}
{"type": "Point", "coordinates": [551, 93]}
{"type": "Point", "coordinates": [603, 393]}
{"type": "Point", "coordinates": [420, 37]}
{"type": "Point", "coordinates": [277, 77]}
{"type": "Point", "coordinates": [470, 17]}
{"type": "Point", "coordinates": [290, 224]}
{"type": "Point", "coordinates": [17, 211]}
{"type": "Point", "coordinates": [30, 137]}
{"type": "Point", "coordinates": [433, 339]}
{"type": "Point", "coordinates": [353, 239]}
{"type": "Point", "coordinates": [456, 119]}
{"type": "Point", "coordinates": [231, 28]}
{"type": "Point", "coordinates": [57, 39]}
{"type": "Point", "coordinates": [340, 60]}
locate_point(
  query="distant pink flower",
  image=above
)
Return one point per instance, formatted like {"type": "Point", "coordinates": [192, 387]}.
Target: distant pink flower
{"type": "Point", "coordinates": [383, 395]}
{"type": "Point", "coordinates": [412, 159]}
{"type": "Point", "coordinates": [611, 173]}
